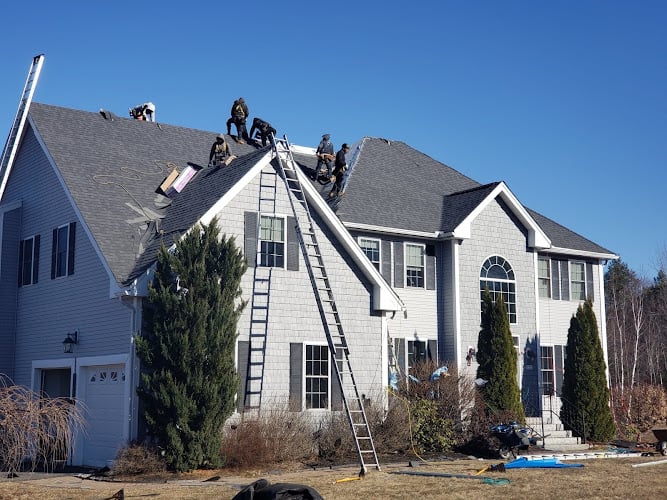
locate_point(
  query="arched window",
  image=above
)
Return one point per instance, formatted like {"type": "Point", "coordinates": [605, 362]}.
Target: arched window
{"type": "Point", "coordinates": [497, 275]}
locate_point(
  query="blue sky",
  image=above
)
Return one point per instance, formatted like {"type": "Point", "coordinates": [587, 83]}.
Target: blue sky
{"type": "Point", "coordinates": [563, 100]}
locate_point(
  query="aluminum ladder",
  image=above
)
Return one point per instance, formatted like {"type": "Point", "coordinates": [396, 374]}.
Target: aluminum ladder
{"type": "Point", "coordinates": [260, 300]}
{"type": "Point", "coordinates": [326, 305]}
{"type": "Point", "coordinates": [12, 144]}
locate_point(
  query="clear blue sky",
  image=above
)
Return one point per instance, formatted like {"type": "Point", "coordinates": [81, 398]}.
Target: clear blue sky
{"type": "Point", "coordinates": [565, 101]}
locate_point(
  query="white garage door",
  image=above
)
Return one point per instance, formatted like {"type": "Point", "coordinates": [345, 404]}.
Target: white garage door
{"type": "Point", "coordinates": [105, 415]}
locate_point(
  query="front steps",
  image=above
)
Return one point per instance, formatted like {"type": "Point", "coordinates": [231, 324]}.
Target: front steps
{"type": "Point", "coordinates": [557, 438]}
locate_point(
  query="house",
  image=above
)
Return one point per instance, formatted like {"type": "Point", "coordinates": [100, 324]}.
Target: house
{"type": "Point", "coordinates": [91, 197]}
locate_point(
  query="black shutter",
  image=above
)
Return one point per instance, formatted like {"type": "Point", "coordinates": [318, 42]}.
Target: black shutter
{"type": "Point", "coordinates": [250, 237]}
{"type": "Point", "coordinates": [242, 370]}
{"type": "Point", "coordinates": [398, 264]}
{"type": "Point", "coordinates": [20, 273]}
{"type": "Point", "coordinates": [54, 247]}
{"type": "Point", "coordinates": [429, 279]}
{"type": "Point", "coordinates": [292, 245]}
{"type": "Point", "coordinates": [35, 260]}
{"type": "Point", "coordinates": [590, 287]}
{"type": "Point", "coordinates": [555, 280]}
{"type": "Point", "coordinates": [295, 376]}
{"type": "Point", "coordinates": [433, 350]}
{"type": "Point", "coordinates": [70, 248]}
{"type": "Point", "coordinates": [385, 260]}
{"type": "Point", "coordinates": [564, 280]}
{"type": "Point", "coordinates": [336, 389]}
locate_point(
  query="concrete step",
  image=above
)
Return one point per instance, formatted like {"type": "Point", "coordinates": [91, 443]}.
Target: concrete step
{"type": "Point", "coordinates": [561, 440]}
{"type": "Point", "coordinates": [565, 447]}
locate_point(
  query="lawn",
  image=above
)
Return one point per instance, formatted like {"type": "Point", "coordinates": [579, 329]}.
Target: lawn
{"type": "Point", "coordinates": [598, 478]}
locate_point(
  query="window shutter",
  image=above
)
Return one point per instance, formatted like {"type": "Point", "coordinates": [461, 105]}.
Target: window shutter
{"type": "Point", "coordinates": [242, 370]}
{"type": "Point", "coordinates": [295, 376]}
{"type": "Point", "coordinates": [20, 273]}
{"type": "Point", "coordinates": [432, 350]}
{"type": "Point", "coordinates": [590, 286]}
{"type": "Point", "coordinates": [250, 237]}
{"type": "Point", "coordinates": [564, 280]}
{"type": "Point", "coordinates": [398, 265]}
{"type": "Point", "coordinates": [558, 366]}
{"type": "Point", "coordinates": [555, 280]}
{"type": "Point", "coordinates": [385, 259]}
{"type": "Point", "coordinates": [53, 253]}
{"type": "Point", "coordinates": [429, 279]}
{"type": "Point", "coordinates": [35, 260]}
{"type": "Point", "coordinates": [292, 245]}
{"type": "Point", "coordinates": [336, 389]}
{"type": "Point", "coordinates": [70, 248]}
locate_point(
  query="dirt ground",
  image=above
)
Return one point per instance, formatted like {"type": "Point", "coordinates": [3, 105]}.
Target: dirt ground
{"type": "Point", "coordinates": [598, 478]}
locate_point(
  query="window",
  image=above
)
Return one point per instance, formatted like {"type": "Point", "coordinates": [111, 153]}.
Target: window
{"type": "Point", "coordinates": [516, 340]}
{"type": "Point", "coordinates": [371, 248]}
{"type": "Point", "coordinates": [317, 376]}
{"type": "Point", "coordinates": [547, 369]}
{"type": "Point", "coordinates": [497, 275]}
{"type": "Point", "coordinates": [544, 277]}
{"type": "Point", "coordinates": [29, 261]}
{"type": "Point", "coordinates": [414, 265]}
{"type": "Point", "coordinates": [416, 353]}
{"type": "Point", "coordinates": [272, 241]}
{"type": "Point", "coordinates": [62, 250]}
{"type": "Point", "coordinates": [578, 281]}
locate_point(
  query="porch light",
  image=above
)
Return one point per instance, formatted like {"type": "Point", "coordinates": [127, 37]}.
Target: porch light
{"type": "Point", "coordinates": [70, 340]}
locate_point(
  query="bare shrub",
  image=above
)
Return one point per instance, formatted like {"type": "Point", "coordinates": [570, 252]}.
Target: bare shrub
{"type": "Point", "coordinates": [333, 439]}
{"type": "Point", "coordinates": [138, 459]}
{"type": "Point", "coordinates": [277, 435]}
{"type": "Point", "coordinates": [35, 431]}
{"type": "Point", "coordinates": [649, 408]}
{"type": "Point", "coordinates": [390, 429]}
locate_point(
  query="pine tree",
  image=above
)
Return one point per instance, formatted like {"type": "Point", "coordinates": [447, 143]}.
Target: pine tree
{"type": "Point", "coordinates": [497, 359]}
{"type": "Point", "coordinates": [187, 346]}
{"type": "Point", "coordinates": [585, 392]}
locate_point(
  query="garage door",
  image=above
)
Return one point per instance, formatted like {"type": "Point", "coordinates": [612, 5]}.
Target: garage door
{"type": "Point", "coordinates": [105, 415]}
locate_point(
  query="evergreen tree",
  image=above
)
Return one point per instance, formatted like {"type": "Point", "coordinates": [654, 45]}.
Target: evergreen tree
{"type": "Point", "coordinates": [187, 345]}
{"type": "Point", "coordinates": [497, 359]}
{"type": "Point", "coordinates": [585, 392]}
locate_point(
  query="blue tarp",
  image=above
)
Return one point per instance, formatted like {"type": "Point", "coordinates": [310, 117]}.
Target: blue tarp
{"type": "Point", "coordinates": [524, 463]}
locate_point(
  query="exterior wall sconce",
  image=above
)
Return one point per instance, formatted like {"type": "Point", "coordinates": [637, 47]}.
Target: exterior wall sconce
{"type": "Point", "coordinates": [70, 340]}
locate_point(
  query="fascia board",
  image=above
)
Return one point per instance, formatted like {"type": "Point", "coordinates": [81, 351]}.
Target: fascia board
{"type": "Point", "coordinates": [580, 253]}
{"type": "Point", "coordinates": [391, 230]}
{"type": "Point", "coordinates": [536, 237]}
{"type": "Point", "coordinates": [114, 287]}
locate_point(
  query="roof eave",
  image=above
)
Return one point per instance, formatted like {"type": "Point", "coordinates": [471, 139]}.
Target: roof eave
{"type": "Point", "coordinates": [580, 253]}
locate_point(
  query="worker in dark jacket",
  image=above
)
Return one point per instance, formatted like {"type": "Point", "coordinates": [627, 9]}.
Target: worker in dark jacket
{"type": "Point", "coordinates": [340, 167]}
{"type": "Point", "coordinates": [220, 152]}
{"type": "Point", "coordinates": [264, 128]}
{"type": "Point", "coordinates": [239, 115]}
{"type": "Point", "coordinates": [325, 157]}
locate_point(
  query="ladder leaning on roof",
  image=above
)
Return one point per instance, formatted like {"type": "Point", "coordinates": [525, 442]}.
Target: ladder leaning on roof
{"type": "Point", "coordinates": [326, 305]}
{"type": "Point", "coordinates": [12, 144]}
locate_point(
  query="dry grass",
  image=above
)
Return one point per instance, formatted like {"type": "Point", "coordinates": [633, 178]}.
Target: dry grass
{"type": "Point", "coordinates": [34, 431]}
{"type": "Point", "coordinates": [599, 478]}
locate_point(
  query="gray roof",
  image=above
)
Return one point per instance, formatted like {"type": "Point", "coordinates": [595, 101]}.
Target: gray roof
{"type": "Point", "coordinates": [113, 169]}
{"type": "Point", "coordinates": [392, 185]}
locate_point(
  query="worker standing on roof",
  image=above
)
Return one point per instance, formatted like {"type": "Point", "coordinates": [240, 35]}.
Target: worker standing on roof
{"type": "Point", "coordinates": [239, 115]}
{"type": "Point", "coordinates": [221, 154]}
{"type": "Point", "coordinates": [143, 112]}
{"type": "Point", "coordinates": [264, 128]}
{"type": "Point", "coordinates": [340, 167]}
{"type": "Point", "coordinates": [325, 156]}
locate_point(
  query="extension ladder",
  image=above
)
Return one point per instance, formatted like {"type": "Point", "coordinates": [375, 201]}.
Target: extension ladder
{"type": "Point", "coordinates": [326, 305]}
{"type": "Point", "coordinates": [259, 302]}
{"type": "Point", "coordinates": [12, 144]}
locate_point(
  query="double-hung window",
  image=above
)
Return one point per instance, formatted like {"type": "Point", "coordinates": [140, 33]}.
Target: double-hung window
{"type": "Point", "coordinates": [272, 241]}
{"type": "Point", "coordinates": [317, 376]}
{"type": "Point", "coordinates": [414, 265]}
{"type": "Point", "coordinates": [416, 353]}
{"type": "Point", "coordinates": [62, 250]}
{"type": "Point", "coordinates": [544, 277]}
{"type": "Point", "coordinates": [371, 248]}
{"type": "Point", "coordinates": [547, 369]}
{"type": "Point", "coordinates": [577, 281]}
{"type": "Point", "coordinates": [29, 261]}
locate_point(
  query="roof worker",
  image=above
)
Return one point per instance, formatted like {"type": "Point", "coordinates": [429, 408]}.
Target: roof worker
{"type": "Point", "coordinates": [143, 112]}
{"type": "Point", "coordinates": [264, 128]}
{"type": "Point", "coordinates": [239, 115]}
{"type": "Point", "coordinates": [325, 156]}
{"type": "Point", "coordinates": [221, 154]}
{"type": "Point", "coordinates": [340, 167]}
